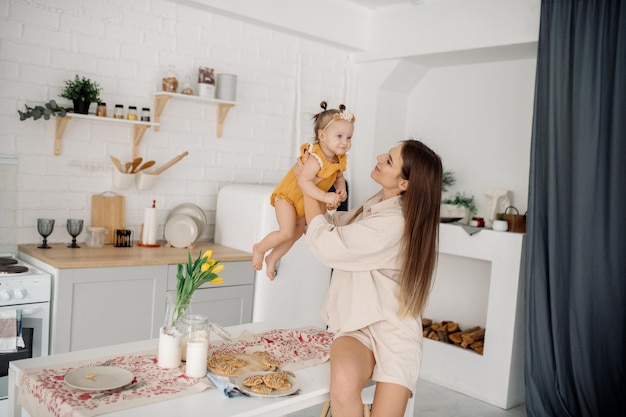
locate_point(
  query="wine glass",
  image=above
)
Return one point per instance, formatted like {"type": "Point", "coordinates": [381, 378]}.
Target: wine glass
{"type": "Point", "coordinates": [45, 227]}
{"type": "Point", "coordinates": [74, 227]}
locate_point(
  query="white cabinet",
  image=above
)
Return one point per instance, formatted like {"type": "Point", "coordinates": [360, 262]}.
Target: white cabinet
{"type": "Point", "coordinates": [95, 307]}
{"type": "Point", "coordinates": [229, 303]}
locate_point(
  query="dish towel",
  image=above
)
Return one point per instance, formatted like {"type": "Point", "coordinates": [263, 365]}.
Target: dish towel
{"type": "Point", "coordinates": [10, 330]}
{"type": "Point", "coordinates": [223, 384]}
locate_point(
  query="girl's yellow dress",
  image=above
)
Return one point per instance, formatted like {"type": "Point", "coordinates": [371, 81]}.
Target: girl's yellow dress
{"type": "Point", "coordinates": [288, 188]}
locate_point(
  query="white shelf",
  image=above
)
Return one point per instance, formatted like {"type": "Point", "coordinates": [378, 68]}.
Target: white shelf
{"type": "Point", "coordinates": [139, 128]}
{"type": "Point", "coordinates": [161, 98]}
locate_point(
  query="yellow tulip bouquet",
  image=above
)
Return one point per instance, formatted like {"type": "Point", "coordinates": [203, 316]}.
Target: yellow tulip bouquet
{"type": "Point", "coordinates": [191, 277]}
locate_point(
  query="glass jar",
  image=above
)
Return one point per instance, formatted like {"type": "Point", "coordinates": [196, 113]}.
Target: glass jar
{"type": "Point", "coordinates": [101, 110]}
{"type": "Point", "coordinates": [192, 327]}
{"type": "Point", "coordinates": [145, 114]}
{"type": "Point", "coordinates": [95, 237]}
{"type": "Point", "coordinates": [170, 83]}
{"type": "Point", "coordinates": [119, 112]}
{"type": "Point", "coordinates": [132, 113]}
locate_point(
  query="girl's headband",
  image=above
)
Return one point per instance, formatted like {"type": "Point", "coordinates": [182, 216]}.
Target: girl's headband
{"type": "Point", "coordinates": [342, 115]}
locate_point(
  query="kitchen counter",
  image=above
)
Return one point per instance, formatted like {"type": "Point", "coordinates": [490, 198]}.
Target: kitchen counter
{"type": "Point", "coordinates": [62, 257]}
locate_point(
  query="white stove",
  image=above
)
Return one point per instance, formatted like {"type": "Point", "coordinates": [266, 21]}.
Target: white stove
{"type": "Point", "coordinates": [22, 283]}
{"type": "Point", "coordinates": [25, 288]}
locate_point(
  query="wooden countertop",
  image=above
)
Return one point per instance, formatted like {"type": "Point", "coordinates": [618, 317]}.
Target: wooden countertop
{"type": "Point", "coordinates": [62, 257]}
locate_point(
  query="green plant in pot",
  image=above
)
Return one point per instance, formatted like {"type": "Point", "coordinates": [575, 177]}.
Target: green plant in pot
{"type": "Point", "coordinates": [82, 91]}
{"type": "Point", "coordinates": [459, 206]}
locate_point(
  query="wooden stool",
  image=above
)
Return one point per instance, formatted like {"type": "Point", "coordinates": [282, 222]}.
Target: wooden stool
{"type": "Point", "coordinates": [367, 397]}
{"type": "Point", "coordinates": [327, 413]}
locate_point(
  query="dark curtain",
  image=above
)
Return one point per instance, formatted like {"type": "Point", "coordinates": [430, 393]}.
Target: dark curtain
{"type": "Point", "coordinates": [576, 231]}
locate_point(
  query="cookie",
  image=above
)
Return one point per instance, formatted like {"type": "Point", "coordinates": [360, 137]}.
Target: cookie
{"type": "Point", "coordinates": [261, 389]}
{"type": "Point", "coordinates": [253, 380]}
{"type": "Point", "coordinates": [276, 381]}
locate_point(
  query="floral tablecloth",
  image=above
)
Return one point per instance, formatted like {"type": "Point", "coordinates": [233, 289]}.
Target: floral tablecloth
{"type": "Point", "coordinates": [294, 348]}
{"type": "Point", "coordinates": [43, 391]}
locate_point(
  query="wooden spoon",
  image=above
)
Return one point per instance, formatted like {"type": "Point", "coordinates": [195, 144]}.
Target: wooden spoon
{"type": "Point", "coordinates": [170, 163]}
{"type": "Point", "coordinates": [136, 163]}
{"type": "Point", "coordinates": [128, 167]}
{"type": "Point", "coordinates": [117, 163]}
{"type": "Point", "coordinates": [145, 165]}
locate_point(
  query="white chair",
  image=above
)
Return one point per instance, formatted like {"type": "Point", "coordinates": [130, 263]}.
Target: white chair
{"type": "Point", "coordinates": [367, 398]}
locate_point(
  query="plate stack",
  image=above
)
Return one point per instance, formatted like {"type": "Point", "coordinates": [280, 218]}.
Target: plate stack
{"type": "Point", "coordinates": [184, 225]}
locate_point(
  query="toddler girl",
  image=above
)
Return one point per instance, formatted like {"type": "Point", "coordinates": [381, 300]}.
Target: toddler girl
{"type": "Point", "coordinates": [333, 133]}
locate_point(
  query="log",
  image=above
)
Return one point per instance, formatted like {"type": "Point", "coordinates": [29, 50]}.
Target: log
{"type": "Point", "coordinates": [457, 338]}
{"type": "Point", "coordinates": [477, 347]}
{"type": "Point", "coordinates": [471, 337]}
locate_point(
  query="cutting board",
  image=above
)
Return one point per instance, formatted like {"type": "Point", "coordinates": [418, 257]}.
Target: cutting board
{"type": "Point", "coordinates": [107, 210]}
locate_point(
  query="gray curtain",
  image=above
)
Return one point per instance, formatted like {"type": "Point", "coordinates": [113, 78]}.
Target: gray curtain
{"type": "Point", "coordinates": [576, 231]}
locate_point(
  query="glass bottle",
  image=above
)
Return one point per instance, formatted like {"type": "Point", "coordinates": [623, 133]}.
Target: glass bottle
{"type": "Point", "coordinates": [132, 113]}
{"type": "Point", "coordinates": [119, 112]}
{"type": "Point", "coordinates": [145, 114]}
{"type": "Point", "coordinates": [101, 110]}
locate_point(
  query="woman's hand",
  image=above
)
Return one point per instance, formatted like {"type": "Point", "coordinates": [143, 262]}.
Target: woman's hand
{"type": "Point", "coordinates": [299, 165]}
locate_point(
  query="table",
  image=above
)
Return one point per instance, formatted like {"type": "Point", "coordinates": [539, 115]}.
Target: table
{"type": "Point", "coordinates": [314, 384]}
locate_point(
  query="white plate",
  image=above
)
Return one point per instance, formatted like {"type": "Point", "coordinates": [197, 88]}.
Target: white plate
{"type": "Point", "coordinates": [192, 211]}
{"type": "Point", "coordinates": [274, 394]}
{"type": "Point", "coordinates": [181, 231]}
{"type": "Point", "coordinates": [104, 378]}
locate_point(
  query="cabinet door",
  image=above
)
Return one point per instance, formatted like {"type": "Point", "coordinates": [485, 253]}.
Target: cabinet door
{"type": "Point", "coordinates": [229, 303]}
{"type": "Point", "coordinates": [227, 306]}
{"type": "Point", "coordinates": [104, 306]}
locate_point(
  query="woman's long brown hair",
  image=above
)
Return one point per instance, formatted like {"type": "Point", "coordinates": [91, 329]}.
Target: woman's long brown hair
{"type": "Point", "coordinates": [421, 203]}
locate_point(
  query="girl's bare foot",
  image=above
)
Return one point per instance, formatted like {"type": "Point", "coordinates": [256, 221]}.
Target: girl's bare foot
{"type": "Point", "coordinates": [257, 258]}
{"type": "Point", "coordinates": [270, 267]}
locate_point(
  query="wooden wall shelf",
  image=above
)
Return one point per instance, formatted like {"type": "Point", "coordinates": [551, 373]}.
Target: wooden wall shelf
{"type": "Point", "coordinates": [139, 128]}
{"type": "Point", "coordinates": [161, 99]}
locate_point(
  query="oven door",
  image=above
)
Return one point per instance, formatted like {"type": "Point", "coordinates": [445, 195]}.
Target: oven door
{"type": "Point", "coordinates": [35, 329]}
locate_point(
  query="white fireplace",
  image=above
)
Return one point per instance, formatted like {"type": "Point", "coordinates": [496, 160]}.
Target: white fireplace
{"type": "Point", "coordinates": [478, 283]}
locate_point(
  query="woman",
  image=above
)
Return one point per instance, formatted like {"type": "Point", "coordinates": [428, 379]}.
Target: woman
{"type": "Point", "coordinates": [383, 256]}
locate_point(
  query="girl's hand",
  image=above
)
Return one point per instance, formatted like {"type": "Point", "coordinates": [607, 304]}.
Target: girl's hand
{"type": "Point", "coordinates": [343, 195]}
{"type": "Point", "coordinates": [332, 200]}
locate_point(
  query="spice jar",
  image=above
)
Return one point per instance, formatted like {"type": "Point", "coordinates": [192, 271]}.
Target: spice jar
{"type": "Point", "coordinates": [145, 114]}
{"type": "Point", "coordinates": [132, 113]}
{"type": "Point", "coordinates": [119, 112]}
{"type": "Point", "coordinates": [101, 110]}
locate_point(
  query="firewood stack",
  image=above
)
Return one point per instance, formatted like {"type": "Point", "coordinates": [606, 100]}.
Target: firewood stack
{"type": "Point", "coordinates": [450, 332]}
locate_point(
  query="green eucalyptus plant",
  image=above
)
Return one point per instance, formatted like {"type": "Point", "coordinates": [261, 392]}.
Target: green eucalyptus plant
{"type": "Point", "coordinates": [82, 89]}
{"type": "Point", "coordinates": [46, 111]}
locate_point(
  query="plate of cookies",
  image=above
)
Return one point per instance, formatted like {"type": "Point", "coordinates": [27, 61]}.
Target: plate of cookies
{"type": "Point", "coordinates": [268, 383]}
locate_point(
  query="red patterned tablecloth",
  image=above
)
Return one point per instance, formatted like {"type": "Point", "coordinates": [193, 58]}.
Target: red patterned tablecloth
{"type": "Point", "coordinates": [294, 348]}
{"type": "Point", "coordinates": [43, 391]}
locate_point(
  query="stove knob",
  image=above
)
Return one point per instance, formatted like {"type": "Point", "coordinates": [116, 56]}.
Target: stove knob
{"type": "Point", "coordinates": [20, 293]}
{"type": "Point", "coordinates": [6, 295]}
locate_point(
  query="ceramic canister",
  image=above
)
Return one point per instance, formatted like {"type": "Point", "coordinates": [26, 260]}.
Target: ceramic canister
{"type": "Point", "coordinates": [226, 87]}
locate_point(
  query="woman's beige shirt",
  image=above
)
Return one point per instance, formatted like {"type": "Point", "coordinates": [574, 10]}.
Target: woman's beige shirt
{"type": "Point", "coordinates": [366, 260]}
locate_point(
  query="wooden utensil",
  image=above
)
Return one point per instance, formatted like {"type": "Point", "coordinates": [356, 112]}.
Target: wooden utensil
{"type": "Point", "coordinates": [117, 163]}
{"type": "Point", "coordinates": [145, 165]}
{"type": "Point", "coordinates": [136, 163]}
{"type": "Point", "coordinates": [128, 166]}
{"type": "Point", "coordinates": [170, 163]}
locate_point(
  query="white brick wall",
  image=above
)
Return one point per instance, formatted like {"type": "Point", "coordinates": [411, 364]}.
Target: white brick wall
{"type": "Point", "coordinates": [125, 47]}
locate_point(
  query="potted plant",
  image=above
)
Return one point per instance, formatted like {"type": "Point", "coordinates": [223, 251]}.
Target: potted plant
{"type": "Point", "coordinates": [82, 91]}
{"type": "Point", "coordinates": [459, 206]}
{"type": "Point", "coordinates": [49, 109]}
